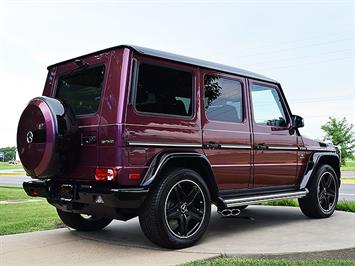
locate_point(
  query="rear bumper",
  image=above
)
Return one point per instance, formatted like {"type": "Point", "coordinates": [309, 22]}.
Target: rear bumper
{"type": "Point", "coordinates": [117, 203]}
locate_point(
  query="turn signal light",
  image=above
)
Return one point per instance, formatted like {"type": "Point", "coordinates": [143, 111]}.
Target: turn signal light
{"type": "Point", "coordinates": [105, 174]}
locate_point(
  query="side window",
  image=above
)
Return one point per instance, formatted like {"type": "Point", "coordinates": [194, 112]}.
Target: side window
{"type": "Point", "coordinates": [267, 106]}
{"type": "Point", "coordinates": [162, 90]}
{"type": "Point", "coordinates": [223, 99]}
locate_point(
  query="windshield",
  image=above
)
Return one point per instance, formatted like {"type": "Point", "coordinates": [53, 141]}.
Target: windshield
{"type": "Point", "coordinates": [82, 89]}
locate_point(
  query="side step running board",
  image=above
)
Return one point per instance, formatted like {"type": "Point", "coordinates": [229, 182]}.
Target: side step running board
{"type": "Point", "coordinates": [230, 203]}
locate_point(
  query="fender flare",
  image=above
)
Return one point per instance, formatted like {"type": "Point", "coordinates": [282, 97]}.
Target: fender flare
{"type": "Point", "coordinates": [312, 164]}
{"type": "Point", "coordinates": [159, 162]}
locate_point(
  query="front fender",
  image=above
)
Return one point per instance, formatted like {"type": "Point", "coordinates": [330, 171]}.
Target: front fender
{"type": "Point", "coordinates": [314, 160]}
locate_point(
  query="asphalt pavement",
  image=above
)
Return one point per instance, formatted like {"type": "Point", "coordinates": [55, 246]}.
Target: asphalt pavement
{"type": "Point", "coordinates": [13, 181]}
{"type": "Point", "coordinates": [348, 174]}
{"type": "Point", "coordinates": [259, 231]}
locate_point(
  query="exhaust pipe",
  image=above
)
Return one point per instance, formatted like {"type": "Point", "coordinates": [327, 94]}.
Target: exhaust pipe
{"type": "Point", "coordinates": [229, 212]}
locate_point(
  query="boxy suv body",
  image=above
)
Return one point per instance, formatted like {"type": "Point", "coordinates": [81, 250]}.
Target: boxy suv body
{"type": "Point", "coordinates": [130, 131]}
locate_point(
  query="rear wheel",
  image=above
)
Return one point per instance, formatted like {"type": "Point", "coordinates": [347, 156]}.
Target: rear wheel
{"type": "Point", "coordinates": [323, 194]}
{"type": "Point", "coordinates": [83, 222]}
{"type": "Point", "coordinates": [177, 212]}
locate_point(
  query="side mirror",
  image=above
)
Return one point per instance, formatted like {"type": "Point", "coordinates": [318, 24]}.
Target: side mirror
{"type": "Point", "coordinates": [297, 121]}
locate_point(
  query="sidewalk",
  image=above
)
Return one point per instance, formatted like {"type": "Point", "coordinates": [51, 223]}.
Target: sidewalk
{"type": "Point", "coordinates": [260, 230]}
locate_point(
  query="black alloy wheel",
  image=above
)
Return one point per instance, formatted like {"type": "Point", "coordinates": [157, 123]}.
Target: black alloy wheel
{"type": "Point", "coordinates": [185, 207]}
{"type": "Point", "coordinates": [327, 187]}
{"type": "Point", "coordinates": [322, 198]}
{"type": "Point", "coordinates": [177, 211]}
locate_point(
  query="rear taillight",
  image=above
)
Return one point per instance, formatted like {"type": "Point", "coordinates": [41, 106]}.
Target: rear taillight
{"type": "Point", "coordinates": [105, 174]}
{"type": "Point", "coordinates": [34, 192]}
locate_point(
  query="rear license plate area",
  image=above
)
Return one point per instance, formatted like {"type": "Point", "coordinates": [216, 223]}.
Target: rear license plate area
{"type": "Point", "coordinates": [66, 192]}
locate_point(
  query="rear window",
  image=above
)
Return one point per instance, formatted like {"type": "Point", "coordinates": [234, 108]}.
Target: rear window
{"type": "Point", "coordinates": [162, 90]}
{"type": "Point", "coordinates": [82, 90]}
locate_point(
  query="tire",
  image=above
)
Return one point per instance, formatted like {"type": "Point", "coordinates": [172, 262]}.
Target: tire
{"type": "Point", "coordinates": [171, 216]}
{"type": "Point", "coordinates": [323, 194]}
{"type": "Point", "coordinates": [48, 139]}
{"type": "Point", "coordinates": [80, 223]}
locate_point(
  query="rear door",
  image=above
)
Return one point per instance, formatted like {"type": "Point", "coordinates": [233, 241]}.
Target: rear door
{"type": "Point", "coordinates": [81, 85]}
{"type": "Point", "coordinates": [226, 129]}
{"type": "Point", "coordinates": [162, 115]}
{"type": "Point", "coordinates": [274, 147]}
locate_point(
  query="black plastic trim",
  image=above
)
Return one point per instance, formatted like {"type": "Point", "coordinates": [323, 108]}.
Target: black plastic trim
{"type": "Point", "coordinates": [312, 165]}
{"type": "Point", "coordinates": [85, 194]}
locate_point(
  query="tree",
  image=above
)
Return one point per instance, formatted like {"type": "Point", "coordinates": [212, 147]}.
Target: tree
{"type": "Point", "coordinates": [340, 133]}
{"type": "Point", "coordinates": [10, 153]}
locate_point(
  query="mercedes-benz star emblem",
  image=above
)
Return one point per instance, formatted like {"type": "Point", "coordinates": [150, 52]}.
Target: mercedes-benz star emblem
{"type": "Point", "coordinates": [29, 137]}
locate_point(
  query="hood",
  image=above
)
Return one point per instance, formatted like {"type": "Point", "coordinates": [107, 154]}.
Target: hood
{"type": "Point", "coordinates": [311, 144]}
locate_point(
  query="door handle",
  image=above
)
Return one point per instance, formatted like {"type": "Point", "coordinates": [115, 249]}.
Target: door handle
{"type": "Point", "coordinates": [261, 146]}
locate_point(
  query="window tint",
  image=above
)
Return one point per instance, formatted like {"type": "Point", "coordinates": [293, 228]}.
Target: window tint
{"type": "Point", "coordinates": [164, 90]}
{"type": "Point", "coordinates": [267, 106]}
{"type": "Point", "coordinates": [82, 90]}
{"type": "Point", "coordinates": [223, 99]}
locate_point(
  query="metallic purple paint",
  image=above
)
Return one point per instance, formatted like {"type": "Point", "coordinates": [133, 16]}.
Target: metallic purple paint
{"type": "Point", "coordinates": [36, 156]}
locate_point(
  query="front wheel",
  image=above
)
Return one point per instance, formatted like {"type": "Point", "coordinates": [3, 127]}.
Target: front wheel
{"type": "Point", "coordinates": [323, 194]}
{"type": "Point", "coordinates": [177, 212]}
{"type": "Point", "coordinates": [83, 222]}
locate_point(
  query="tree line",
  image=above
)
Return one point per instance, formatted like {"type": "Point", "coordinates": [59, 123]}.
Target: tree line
{"type": "Point", "coordinates": [10, 153]}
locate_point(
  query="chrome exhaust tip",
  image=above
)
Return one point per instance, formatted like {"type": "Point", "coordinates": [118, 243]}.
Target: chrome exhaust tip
{"type": "Point", "coordinates": [229, 212]}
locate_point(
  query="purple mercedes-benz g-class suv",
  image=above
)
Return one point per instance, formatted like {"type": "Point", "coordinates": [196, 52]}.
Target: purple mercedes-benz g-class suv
{"type": "Point", "coordinates": [131, 131]}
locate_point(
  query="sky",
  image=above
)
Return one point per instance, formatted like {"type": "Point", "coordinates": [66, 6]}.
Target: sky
{"type": "Point", "coordinates": [308, 46]}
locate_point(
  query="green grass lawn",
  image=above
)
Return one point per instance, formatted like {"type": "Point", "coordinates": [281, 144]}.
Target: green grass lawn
{"type": "Point", "coordinates": [25, 217]}
{"type": "Point", "coordinates": [261, 262]}
{"type": "Point", "coordinates": [12, 193]}
{"type": "Point", "coordinates": [349, 166]}
{"type": "Point", "coordinates": [348, 206]}
{"type": "Point", "coordinates": [6, 166]}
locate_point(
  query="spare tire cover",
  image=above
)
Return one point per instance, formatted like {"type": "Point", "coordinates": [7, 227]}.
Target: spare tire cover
{"type": "Point", "coordinates": [47, 137]}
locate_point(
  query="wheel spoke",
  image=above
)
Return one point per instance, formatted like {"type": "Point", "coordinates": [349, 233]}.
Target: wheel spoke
{"type": "Point", "coordinates": [326, 199]}
{"type": "Point", "coordinates": [330, 201]}
{"type": "Point", "coordinates": [328, 182]}
{"type": "Point", "coordinates": [331, 190]}
{"type": "Point", "coordinates": [331, 194]}
{"type": "Point", "coordinates": [180, 194]}
{"type": "Point", "coordinates": [322, 183]}
{"type": "Point", "coordinates": [183, 224]}
{"type": "Point", "coordinates": [192, 195]}
{"type": "Point", "coordinates": [173, 213]}
{"type": "Point", "coordinates": [321, 196]}
{"type": "Point", "coordinates": [195, 215]}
